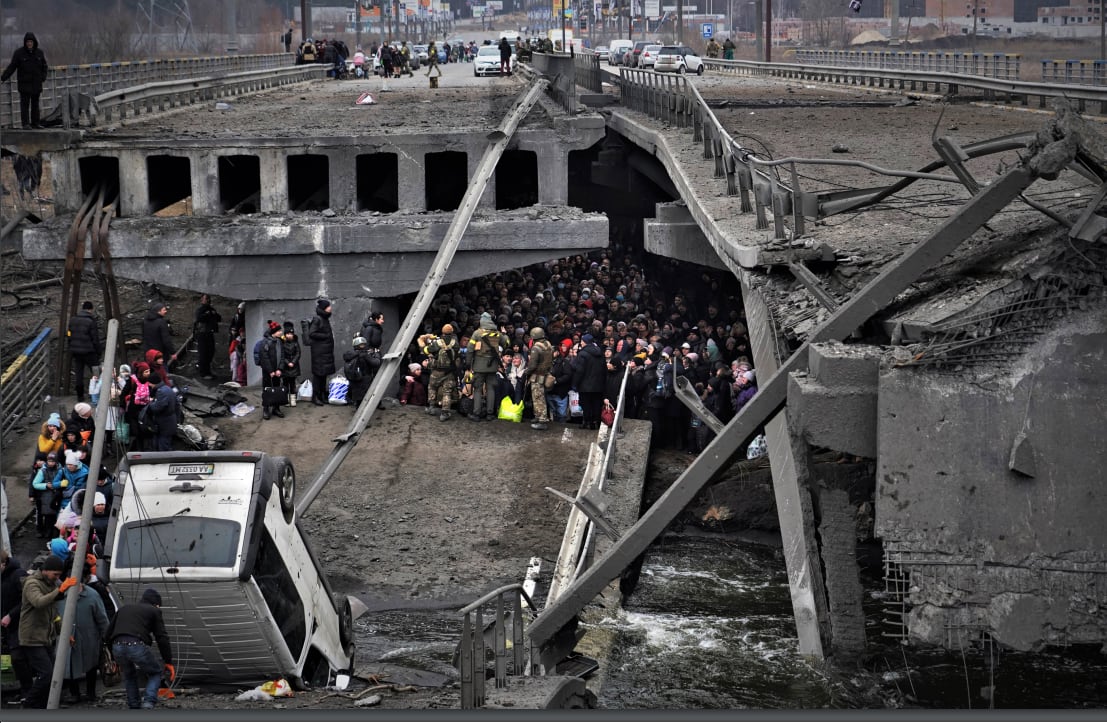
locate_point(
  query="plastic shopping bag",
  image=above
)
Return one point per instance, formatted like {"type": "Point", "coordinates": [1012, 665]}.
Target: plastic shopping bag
{"type": "Point", "coordinates": [575, 410]}
{"type": "Point", "coordinates": [337, 387]}
{"type": "Point", "coordinates": [511, 411]}
{"type": "Point", "coordinates": [305, 391]}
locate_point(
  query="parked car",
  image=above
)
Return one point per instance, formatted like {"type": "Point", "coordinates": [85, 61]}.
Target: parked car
{"type": "Point", "coordinates": [631, 58]}
{"type": "Point", "coordinates": [648, 55]}
{"type": "Point", "coordinates": [677, 59]}
{"type": "Point", "coordinates": [602, 52]}
{"type": "Point", "coordinates": [618, 49]}
{"type": "Point", "coordinates": [421, 51]}
{"type": "Point", "coordinates": [488, 61]}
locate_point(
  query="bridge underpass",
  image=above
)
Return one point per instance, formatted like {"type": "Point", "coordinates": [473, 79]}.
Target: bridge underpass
{"type": "Point", "coordinates": [791, 311]}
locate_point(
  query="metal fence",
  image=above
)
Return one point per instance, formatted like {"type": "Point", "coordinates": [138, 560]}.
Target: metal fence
{"type": "Point", "coordinates": [586, 67]}
{"type": "Point", "coordinates": [1079, 72]}
{"type": "Point", "coordinates": [475, 640]}
{"type": "Point", "coordinates": [97, 78]}
{"type": "Point", "coordinates": [24, 383]}
{"type": "Point", "coordinates": [988, 65]}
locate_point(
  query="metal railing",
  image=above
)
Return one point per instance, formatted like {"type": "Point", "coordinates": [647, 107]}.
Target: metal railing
{"type": "Point", "coordinates": [161, 96]}
{"type": "Point", "coordinates": [97, 78]}
{"type": "Point", "coordinates": [586, 67]}
{"type": "Point", "coordinates": [1079, 72]}
{"type": "Point", "coordinates": [24, 383]}
{"type": "Point", "coordinates": [472, 658]}
{"type": "Point", "coordinates": [915, 80]}
{"type": "Point", "coordinates": [988, 65]}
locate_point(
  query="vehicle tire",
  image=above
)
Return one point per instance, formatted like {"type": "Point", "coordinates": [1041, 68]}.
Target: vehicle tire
{"type": "Point", "coordinates": [286, 488]}
{"type": "Point", "coordinates": [699, 70]}
{"type": "Point", "coordinates": [682, 69]}
{"type": "Point", "coordinates": [345, 626]}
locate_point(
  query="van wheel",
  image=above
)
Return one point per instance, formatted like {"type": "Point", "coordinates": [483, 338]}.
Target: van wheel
{"type": "Point", "coordinates": [287, 488]}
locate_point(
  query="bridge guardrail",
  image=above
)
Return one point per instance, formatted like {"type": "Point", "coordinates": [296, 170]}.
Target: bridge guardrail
{"type": "Point", "coordinates": [471, 659]}
{"type": "Point", "coordinates": [1081, 95]}
{"type": "Point", "coordinates": [97, 78]}
{"type": "Point", "coordinates": [990, 65]}
{"type": "Point", "coordinates": [167, 94]}
{"type": "Point", "coordinates": [586, 66]}
{"type": "Point", "coordinates": [24, 383]}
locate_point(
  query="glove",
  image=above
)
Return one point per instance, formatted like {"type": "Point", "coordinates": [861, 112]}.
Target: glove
{"type": "Point", "coordinates": [67, 583]}
{"type": "Point", "coordinates": [171, 672]}
{"type": "Point", "coordinates": [90, 560]}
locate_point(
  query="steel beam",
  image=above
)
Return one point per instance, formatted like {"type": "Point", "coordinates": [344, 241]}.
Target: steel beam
{"type": "Point", "coordinates": [771, 397]}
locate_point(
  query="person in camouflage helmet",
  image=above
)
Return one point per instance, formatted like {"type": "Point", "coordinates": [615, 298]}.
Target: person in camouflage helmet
{"type": "Point", "coordinates": [486, 346]}
{"type": "Point", "coordinates": [442, 352]}
{"type": "Point", "coordinates": [539, 364]}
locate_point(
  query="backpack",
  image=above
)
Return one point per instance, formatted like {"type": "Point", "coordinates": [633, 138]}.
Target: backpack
{"type": "Point", "coordinates": [147, 423]}
{"type": "Point", "coordinates": [257, 351]}
{"type": "Point", "coordinates": [352, 369]}
{"type": "Point", "coordinates": [445, 358]}
{"type": "Point", "coordinates": [489, 344]}
{"type": "Point", "coordinates": [142, 393]}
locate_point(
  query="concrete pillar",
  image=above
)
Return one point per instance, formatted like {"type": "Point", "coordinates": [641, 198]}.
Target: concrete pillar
{"type": "Point", "coordinates": [411, 191]}
{"type": "Point", "coordinates": [838, 535]}
{"type": "Point", "coordinates": [787, 458]}
{"type": "Point", "coordinates": [553, 174]}
{"type": "Point", "coordinates": [273, 169]}
{"type": "Point", "coordinates": [204, 168]}
{"type": "Point", "coordinates": [66, 172]}
{"type": "Point", "coordinates": [134, 184]}
{"type": "Point", "coordinates": [343, 175]}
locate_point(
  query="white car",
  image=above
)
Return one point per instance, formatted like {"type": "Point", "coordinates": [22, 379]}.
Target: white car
{"type": "Point", "coordinates": [648, 56]}
{"type": "Point", "coordinates": [488, 61]}
{"type": "Point", "coordinates": [678, 59]}
{"type": "Point", "coordinates": [245, 598]}
{"type": "Point", "coordinates": [602, 53]}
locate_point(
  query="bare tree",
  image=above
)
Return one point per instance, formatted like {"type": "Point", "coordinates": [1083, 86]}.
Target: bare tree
{"type": "Point", "coordinates": [824, 22]}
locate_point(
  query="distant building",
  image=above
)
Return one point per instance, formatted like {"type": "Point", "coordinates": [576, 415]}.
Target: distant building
{"type": "Point", "coordinates": [1077, 12]}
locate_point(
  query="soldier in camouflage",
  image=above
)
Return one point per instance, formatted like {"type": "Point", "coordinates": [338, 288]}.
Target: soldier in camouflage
{"type": "Point", "coordinates": [486, 345]}
{"type": "Point", "coordinates": [442, 352]}
{"type": "Point", "coordinates": [538, 366]}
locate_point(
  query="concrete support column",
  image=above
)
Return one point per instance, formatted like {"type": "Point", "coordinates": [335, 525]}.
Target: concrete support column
{"type": "Point", "coordinates": [793, 501]}
{"type": "Point", "coordinates": [411, 191]}
{"type": "Point", "coordinates": [66, 171]}
{"type": "Point", "coordinates": [553, 175]}
{"type": "Point", "coordinates": [134, 184]}
{"type": "Point", "coordinates": [273, 169]}
{"type": "Point", "coordinates": [204, 168]}
{"type": "Point", "coordinates": [343, 175]}
{"type": "Point", "coordinates": [838, 534]}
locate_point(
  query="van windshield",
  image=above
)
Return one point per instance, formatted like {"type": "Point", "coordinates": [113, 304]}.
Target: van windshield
{"type": "Point", "coordinates": [178, 542]}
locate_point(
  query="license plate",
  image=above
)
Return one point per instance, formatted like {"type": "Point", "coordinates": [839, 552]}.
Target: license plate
{"type": "Point", "coordinates": [196, 468]}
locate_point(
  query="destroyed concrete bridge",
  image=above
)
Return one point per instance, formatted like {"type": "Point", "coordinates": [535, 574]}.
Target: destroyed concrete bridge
{"type": "Point", "coordinates": [954, 344]}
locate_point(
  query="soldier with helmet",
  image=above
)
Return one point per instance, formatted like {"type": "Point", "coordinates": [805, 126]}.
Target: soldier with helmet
{"type": "Point", "coordinates": [442, 352]}
{"type": "Point", "coordinates": [539, 364]}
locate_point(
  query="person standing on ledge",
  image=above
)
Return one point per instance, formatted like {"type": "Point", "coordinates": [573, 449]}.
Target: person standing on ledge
{"type": "Point", "coordinates": [30, 63]}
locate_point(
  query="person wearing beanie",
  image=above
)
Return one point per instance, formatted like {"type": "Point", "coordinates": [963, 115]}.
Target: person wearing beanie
{"type": "Point", "coordinates": [590, 379]}
{"type": "Point", "coordinates": [486, 345]}
{"type": "Point", "coordinates": [51, 438]}
{"type": "Point", "coordinates": [100, 516]}
{"type": "Point", "coordinates": [321, 340]}
{"type": "Point", "coordinates": [290, 360]}
{"type": "Point", "coordinates": [413, 389]}
{"type": "Point", "coordinates": [82, 422]}
{"type": "Point", "coordinates": [73, 476]}
{"type": "Point", "coordinates": [135, 626]}
{"type": "Point", "coordinates": [37, 634]}
{"type": "Point", "coordinates": [155, 331]}
{"type": "Point", "coordinates": [271, 356]}
{"type": "Point", "coordinates": [205, 325]}
{"type": "Point", "coordinates": [85, 346]}
{"type": "Point", "coordinates": [46, 494]}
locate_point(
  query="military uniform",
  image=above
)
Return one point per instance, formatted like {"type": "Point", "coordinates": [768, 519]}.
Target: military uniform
{"type": "Point", "coordinates": [538, 366]}
{"type": "Point", "coordinates": [486, 345]}
{"type": "Point", "coordinates": [443, 379]}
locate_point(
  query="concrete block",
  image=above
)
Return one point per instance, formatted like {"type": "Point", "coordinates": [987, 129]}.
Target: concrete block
{"type": "Point", "coordinates": [838, 416]}
{"type": "Point", "coordinates": [684, 241]}
{"type": "Point", "coordinates": [844, 365]}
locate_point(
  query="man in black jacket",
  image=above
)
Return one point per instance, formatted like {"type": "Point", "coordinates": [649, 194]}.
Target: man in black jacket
{"type": "Point", "coordinates": [85, 345]}
{"type": "Point", "coordinates": [134, 627]}
{"type": "Point", "coordinates": [271, 356]}
{"type": "Point", "coordinates": [30, 62]}
{"type": "Point", "coordinates": [155, 332]}
{"type": "Point", "coordinates": [322, 351]}
{"type": "Point", "coordinates": [204, 327]}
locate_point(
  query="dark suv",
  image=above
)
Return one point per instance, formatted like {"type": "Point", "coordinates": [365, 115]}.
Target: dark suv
{"type": "Point", "coordinates": [631, 58]}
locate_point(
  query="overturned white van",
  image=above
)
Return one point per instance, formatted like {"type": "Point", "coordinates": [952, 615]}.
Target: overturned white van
{"type": "Point", "coordinates": [244, 598]}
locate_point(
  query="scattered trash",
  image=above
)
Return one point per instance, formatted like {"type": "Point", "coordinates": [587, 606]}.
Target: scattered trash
{"type": "Point", "coordinates": [277, 688]}
{"type": "Point", "coordinates": [222, 106]}
{"type": "Point", "coordinates": [364, 99]}
{"type": "Point", "coordinates": [342, 680]}
{"type": "Point", "coordinates": [839, 148]}
{"type": "Point", "coordinates": [241, 409]}
{"type": "Point", "coordinates": [255, 694]}
{"type": "Point", "coordinates": [370, 700]}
